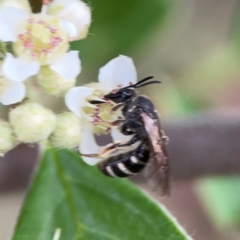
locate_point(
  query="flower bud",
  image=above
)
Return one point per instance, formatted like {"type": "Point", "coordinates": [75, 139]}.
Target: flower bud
{"type": "Point", "coordinates": [67, 131]}
{"type": "Point", "coordinates": [24, 4]}
{"type": "Point", "coordinates": [75, 12]}
{"type": "Point", "coordinates": [6, 137]}
{"type": "Point", "coordinates": [32, 122]}
{"type": "Point", "coordinates": [52, 83]}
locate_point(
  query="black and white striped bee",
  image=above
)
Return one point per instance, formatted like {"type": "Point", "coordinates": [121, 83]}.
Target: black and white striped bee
{"type": "Point", "coordinates": [127, 163]}
{"type": "Point", "coordinates": [141, 121]}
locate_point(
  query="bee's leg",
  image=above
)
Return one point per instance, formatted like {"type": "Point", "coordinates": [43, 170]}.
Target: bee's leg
{"type": "Point", "coordinates": [93, 155]}
{"type": "Point", "coordinates": [133, 140]}
{"type": "Point", "coordinates": [115, 108]}
{"type": "Point", "coordinates": [117, 122]}
{"type": "Point", "coordinates": [106, 150]}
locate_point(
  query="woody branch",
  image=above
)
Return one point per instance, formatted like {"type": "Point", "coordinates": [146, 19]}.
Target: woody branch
{"type": "Point", "coordinates": [204, 144]}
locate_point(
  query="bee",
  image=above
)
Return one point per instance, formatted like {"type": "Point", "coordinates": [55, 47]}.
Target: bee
{"type": "Point", "coordinates": [140, 120]}
{"type": "Point", "coordinates": [126, 164]}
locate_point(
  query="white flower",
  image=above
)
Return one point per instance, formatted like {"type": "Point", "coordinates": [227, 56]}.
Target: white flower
{"type": "Point", "coordinates": [117, 73]}
{"type": "Point", "coordinates": [41, 39]}
{"type": "Point", "coordinates": [52, 83]}
{"type": "Point", "coordinates": [57, 80]}
{"type": "Point", "coordinates": [32, 122]}
{"type": "Point", "coordinates": [67, 131]}
{"type": "Point", "coordinates": [75, 15]}
{"type": "Point", "coordinates": [13, 73]}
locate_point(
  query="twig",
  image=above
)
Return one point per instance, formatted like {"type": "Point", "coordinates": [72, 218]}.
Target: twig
{"type": "Point", "coordinates": [205, 144]}
{"type": "Point", "coordinates": [200, 145]}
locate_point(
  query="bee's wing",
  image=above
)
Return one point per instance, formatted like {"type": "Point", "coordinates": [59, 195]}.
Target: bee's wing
{"type": "Point", "coordinates": [158, 178]}
{"type": "Point", "coordinates": [158, 168]}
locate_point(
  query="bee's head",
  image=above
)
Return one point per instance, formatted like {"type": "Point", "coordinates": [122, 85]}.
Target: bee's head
{"type": "Point", "coordinates": [125, 93]}
{"type": "Point", "coordinates": [121, 95]}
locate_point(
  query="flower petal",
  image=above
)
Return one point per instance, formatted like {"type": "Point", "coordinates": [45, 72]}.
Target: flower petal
{"type": "Point", "coordinates": [88, 144]}
{"type": "Point", "coordinates": [6, 33]}
{"type": "Point", "coordinates": [16, 3]}
{"type": "Point", "coordinates": [13, 19]}
{"type": "Point", "coordinates": [18, 69]}
{"type": "Point", "coordinates": [14, 92]}
{"type": "Point", "coordinates": [69, 28]}
{"type": "Point", "coordinates": [68, 65]}
{"type": "Point", "coordinates": [119, 72]}
{"type": "Point", "coordinates": [118, 136]}
{"type": "Point", "coordinates": [75, 11]}
{"type": "Point", "coordinates": [75, 99]}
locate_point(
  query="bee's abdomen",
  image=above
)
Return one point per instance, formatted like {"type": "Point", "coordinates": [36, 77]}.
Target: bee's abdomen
{"type": "Point", "coordinates": [127, 164]}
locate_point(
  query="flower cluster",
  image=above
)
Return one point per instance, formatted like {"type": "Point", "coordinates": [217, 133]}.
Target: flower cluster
{"type": "Point", "coordinates": [38, 45]}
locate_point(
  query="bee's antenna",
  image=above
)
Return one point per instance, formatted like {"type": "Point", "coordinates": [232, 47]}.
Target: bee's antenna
{"type": "Point", "coordinates": [148, 83]}
{"type": "Point", "coordinates": [144, 80]}
{"type": "Point", "coordinates": [139, 84]}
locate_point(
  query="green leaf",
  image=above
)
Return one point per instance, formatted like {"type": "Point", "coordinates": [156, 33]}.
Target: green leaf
{"type": "Point", "coordinates": [85, 204]}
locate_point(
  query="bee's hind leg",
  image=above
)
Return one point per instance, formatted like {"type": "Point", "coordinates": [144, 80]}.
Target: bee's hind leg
{"type": "Point", "coordinates": [93, 155]}
{"type": "Point", "coordinates": [116, 107]}
{"type": "Point", "coordinates": [133, 140]}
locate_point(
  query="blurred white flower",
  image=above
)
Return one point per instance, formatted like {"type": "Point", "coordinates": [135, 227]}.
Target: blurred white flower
{"type": "Point", "coordinates": [57, 80]}
{"type": "Point", "coordinates": [12, 74]}
{"type": "Point", "coordinates": [75, 15]}
{"type": "Point", "coordinates": [67, 131]}
{"type": "Point", "coordinates": [117, 73]}
{"type": "Point", "coordinates": [52, 83]}
{"type": "Point", "coordinates": [31, 122]}
{"type": "Point", "coordinates": [40, 39]}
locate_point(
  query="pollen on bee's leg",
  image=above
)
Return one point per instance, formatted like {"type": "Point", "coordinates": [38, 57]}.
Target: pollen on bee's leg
{"type": "Point", "coordinates": [113, 146]}
{"type": "Point", "coordinates": [116, 107]}
{"type": "Point", "coordinates": [93, 155]}
{"type": "Point", "coordinates": [110, 149]}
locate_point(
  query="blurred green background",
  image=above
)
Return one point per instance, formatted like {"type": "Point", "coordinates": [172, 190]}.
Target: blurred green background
{"type": "Point", "coordinates": [193, 47]}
